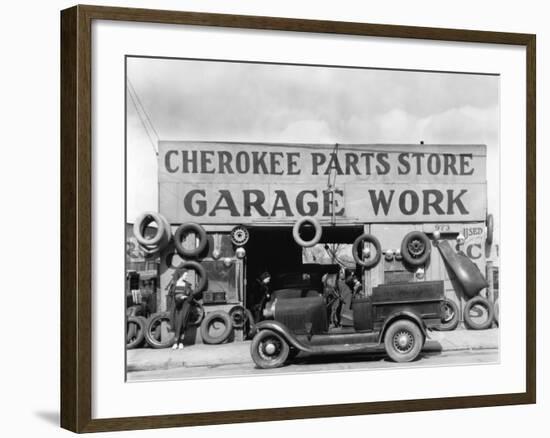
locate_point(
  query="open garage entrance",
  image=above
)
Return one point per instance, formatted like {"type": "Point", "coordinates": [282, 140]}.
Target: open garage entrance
{"type": "Point", "coordinates": [274, 250]}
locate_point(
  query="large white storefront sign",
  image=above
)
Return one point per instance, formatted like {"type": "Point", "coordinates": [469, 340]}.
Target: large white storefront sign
{"type": "Point", "coordinates": [228, 183]}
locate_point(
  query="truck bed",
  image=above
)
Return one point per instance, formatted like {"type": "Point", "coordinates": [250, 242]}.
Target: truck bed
{"type": "Point", "coordinates": [423, 298]}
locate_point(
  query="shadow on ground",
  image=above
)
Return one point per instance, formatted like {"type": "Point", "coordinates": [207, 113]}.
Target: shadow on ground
{"type": "Point", "coordinates": [51, 417]}
{"type": "Point", "coordinates": [305, 358]}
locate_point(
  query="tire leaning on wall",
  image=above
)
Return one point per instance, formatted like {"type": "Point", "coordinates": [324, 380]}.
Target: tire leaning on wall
{"type": "Point", "coordinates": [136, 333]}
{"type": "Point", "coordinates": [153, 331]}
{"type": "Point", "coordinates": [478, 301]}
{"type": "Point", "coordinates": [238, 316]}
{"type": "Point", "coordinates": [451, 323]}
{"type": "Point", "coordinates": [211, 318]}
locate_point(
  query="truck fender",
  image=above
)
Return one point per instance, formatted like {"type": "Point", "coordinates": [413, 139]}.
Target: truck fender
{"type": "Point", "coordinates": [411, 316]}
{"type": "Point", "coordinates": [467, 273]}
{"type": "Point", "coordinates": [284, 332]}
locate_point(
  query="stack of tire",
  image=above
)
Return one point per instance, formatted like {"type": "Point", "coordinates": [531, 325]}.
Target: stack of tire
{"type": "Point", "coordinates": [151, 246]}
{"type": "Point", "coordinates": [216, 326]}
{"type": "Point", "coordinates": [474, 308]}
{"type": "Point", "coordinates": [153, 330]}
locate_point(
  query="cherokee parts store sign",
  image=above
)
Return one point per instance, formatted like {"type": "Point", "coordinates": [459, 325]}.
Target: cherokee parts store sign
{"type": "Point", "coordinates": [243, 183]}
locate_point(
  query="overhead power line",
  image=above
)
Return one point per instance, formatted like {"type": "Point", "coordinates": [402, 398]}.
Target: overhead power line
{"type": "Point", "coordinates": [143, 116]}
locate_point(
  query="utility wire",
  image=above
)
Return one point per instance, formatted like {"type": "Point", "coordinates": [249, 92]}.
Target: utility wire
{"type": "Point", "coordinates": [143, 108]}
{"type": "Point", "coordinates": [138, 105]}
{"type": "Point", "coordinates": [143, 123]}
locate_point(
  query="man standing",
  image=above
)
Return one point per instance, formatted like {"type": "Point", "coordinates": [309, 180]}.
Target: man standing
{"type": "Point", "coordinates": [181, 305]}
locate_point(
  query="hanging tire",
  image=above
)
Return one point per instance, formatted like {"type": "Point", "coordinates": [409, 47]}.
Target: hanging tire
{"type": "Point", "coordinates": [187, 228]}
{"type": "Point", "coordinates": [357, 244]}
{"type": "Point", "coordinates": [269, 350]}
{"type": "Point", "coordinates": [149, 251]}
{"type": "Point", "coordinates": [416, 248]}
{"type": "Point", "coordinates": [141, 223]}
{"type": "Point", "coordinates": [135, 331]}
{"type": "Point", "coordinates": [238, 316]}
{"type": "Point", "coordinates": [489, 223]}
{"type": "Point", "coordinates": [403, 341]}
{"type": "Point", "coordinates": [210, 330]}
{"type": "Point", "coordinates": [153, 331]}
{"type": "Point", "coordinates": [451, 315]}
{"type": "Point", "coordinates": [484, 307]}
{"type": "Point", "coordinates": [296, 231]}
{"type": "Point", "coordinates": [200, 271]}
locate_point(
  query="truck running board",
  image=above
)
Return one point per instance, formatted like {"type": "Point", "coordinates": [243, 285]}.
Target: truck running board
{"type": "Point", "coordinates": [347, 348]}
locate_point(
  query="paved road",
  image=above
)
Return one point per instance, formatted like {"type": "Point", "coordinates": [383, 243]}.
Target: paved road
{"type": "Point", "coordinates": [315, 364]}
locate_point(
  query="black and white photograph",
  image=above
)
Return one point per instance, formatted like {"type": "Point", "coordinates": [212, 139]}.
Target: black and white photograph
{"type": "Point", "coordinates": [308, 218]}
{"type": "Point", "coordinates": [275, 219]}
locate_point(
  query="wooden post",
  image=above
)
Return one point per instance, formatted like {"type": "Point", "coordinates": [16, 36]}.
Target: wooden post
{"type": "Point", "coordinates": [489, 276]}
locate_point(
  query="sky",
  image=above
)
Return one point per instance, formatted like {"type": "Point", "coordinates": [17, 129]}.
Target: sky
{"type": "Point", "coordinates": [250, 102]}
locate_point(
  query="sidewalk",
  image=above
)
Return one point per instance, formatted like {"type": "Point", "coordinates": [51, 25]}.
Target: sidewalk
{"type": "Point", "coordinates": [200, 355]}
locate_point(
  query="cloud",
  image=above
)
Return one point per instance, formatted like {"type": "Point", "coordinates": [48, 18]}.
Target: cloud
{"type": "Point", "coordinates": [255, 102]}
{"type": "Point", "coordinates": [303, 131]}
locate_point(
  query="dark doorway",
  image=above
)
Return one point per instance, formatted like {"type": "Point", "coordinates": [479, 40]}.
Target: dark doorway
{"type": "Point", "coordinates": [273, 250]}
{"type": "Point", "coordinates": [270, 249]}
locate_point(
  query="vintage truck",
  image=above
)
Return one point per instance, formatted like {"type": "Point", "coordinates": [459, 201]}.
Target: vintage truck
{"type": "Point", "coordinates": [395, 317]}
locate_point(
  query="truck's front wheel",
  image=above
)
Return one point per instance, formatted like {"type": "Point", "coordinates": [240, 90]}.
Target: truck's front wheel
{"type": "Point", "coordinates": [403, 341]}
{"type": "Point", "coordinates": [269, 349]}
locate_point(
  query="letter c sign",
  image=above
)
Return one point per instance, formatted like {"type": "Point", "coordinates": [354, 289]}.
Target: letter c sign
{"type": "Point", "coordinates": [470, 251]}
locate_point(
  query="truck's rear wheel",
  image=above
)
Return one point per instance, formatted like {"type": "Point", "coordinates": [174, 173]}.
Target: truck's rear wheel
{"type": "Point", "coordinates": [269, 350]}
{"type": "Point", "coordinates": [403, 341]}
